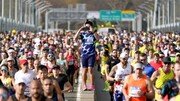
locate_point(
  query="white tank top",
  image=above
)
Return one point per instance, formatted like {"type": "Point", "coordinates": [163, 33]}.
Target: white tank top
{"type": "Point", "coordinates": [122, 72]}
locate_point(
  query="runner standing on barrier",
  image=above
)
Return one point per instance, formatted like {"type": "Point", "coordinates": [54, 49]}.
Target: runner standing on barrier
{"type": "Point", "coordinates": [88, 38]}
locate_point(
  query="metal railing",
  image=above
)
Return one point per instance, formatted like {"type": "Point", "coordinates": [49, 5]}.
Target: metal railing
{"type": "Point", "coordinates": [25, 15]}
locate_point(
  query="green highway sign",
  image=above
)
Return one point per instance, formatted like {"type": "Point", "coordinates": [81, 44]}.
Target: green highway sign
{"type": "Point", "coordinates": [128, 15]}
{"type": "Point", "coordinates": [110, 15]}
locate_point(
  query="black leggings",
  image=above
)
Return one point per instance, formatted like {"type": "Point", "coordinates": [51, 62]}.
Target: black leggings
{"type": "Point", "coordinates": [70, 73]}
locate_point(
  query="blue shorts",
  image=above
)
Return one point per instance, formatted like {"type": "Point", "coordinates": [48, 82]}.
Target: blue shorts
{"type": "Point", "coordinates": [118, 96]}
{"type": "Point", "coordinates": [88, 61]}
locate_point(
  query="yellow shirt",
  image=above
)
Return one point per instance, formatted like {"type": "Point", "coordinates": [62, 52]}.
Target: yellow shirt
{"type": "Point", "coordinates": [7, 82]}
{"type": "Point", "coordinates": [142, 49]}
{"type": "Point", "coordinates": [163, 78]}
{"type": "Point", "coordinates": [104, 60]}
{"type": "Point", "coordinates": [177, 98]}
{"type": "Point", "coordinates": [110, 47]}
{"type": "Point", "coordinates": [132, 53]}
{"type": "Point", "coordinates": [133, 62]}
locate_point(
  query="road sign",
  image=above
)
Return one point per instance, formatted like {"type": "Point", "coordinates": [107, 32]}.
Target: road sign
{"type": "Point", "coordinates": [128, 15]}
{"type": "Point", "coordinates": [110, 15]}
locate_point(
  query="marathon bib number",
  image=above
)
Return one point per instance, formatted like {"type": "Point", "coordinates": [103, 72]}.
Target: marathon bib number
{"type": "Point", "coordinates": [70, 62]}
{"type": "Point", "coordinates": [133, 91]}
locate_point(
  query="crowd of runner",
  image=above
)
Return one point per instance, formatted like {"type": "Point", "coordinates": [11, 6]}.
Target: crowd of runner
{"type": "Point", "coordinates": [134, 66]}
{"type": "Point", "coordinates": [37, 66]}
{"type": "Point", "coordinates": [140, 66]}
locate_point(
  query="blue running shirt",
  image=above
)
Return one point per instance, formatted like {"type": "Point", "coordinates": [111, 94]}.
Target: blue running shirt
{"type": "Point", "coordinates": [88, 43]}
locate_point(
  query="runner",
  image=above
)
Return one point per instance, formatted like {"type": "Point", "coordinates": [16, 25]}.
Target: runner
{"type": "Point", "coordinates": [62, 80]}
{"type": "Point", "coordinates": [19, 87]}
{"type": "Point", "coordinates": [48, 90]}
{"type": "Point", "coordinates": [161, 76]}
{"type": "Point", "coordinates": [36, 91]}
{"type": "Point", "coordinates": [26, 74]}
{"type": "Point", "coordinates": [113, 60]}
{"type": "Point", "coordinates": [119, 72]}
{"type": "Point", "coordinates": [70, 57]}
{"type": "Point", "coordinates": [87, 52]}
{"type": "Point", "coordinates": [4, 94]}
{"type": "Point", "coordinates": [138, 87]}
{"type": "Point", "coordinates": [174, 92]}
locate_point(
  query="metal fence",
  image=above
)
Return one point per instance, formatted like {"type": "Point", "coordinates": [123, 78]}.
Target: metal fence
{"type": "Point", "coordinates": [21, 14]}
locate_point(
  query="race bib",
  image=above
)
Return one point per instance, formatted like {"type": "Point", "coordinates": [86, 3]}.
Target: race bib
{"type": "Point", "coordinates": [133, 91]}
{"type": "Point", "coordinates": [70, 62]}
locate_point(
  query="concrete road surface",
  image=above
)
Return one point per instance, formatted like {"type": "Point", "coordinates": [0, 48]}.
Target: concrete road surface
{"type": "Point", "coordinates": [99, 84]}
{"type": "Point", "coordinates": [97, 95]}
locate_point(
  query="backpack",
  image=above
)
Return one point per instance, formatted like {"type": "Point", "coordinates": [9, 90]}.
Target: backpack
{"type": "Point", "coordinates": [170, 88]}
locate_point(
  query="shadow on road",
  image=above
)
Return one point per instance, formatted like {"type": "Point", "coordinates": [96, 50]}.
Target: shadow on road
{"type": "Point", "coordinates": [99, 84]}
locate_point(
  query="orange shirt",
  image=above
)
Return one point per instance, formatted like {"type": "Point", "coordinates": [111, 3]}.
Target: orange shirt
{"type": "Point", "coordinates": [137, 85]}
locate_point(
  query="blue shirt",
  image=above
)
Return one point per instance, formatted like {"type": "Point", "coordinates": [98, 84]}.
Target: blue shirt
{"type": "Point", "coordinates": [148, 70]}
{"type": "Point", "coordinates": [88, 43]}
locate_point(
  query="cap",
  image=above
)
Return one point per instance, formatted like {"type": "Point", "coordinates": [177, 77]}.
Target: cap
{"type": "Point", "coordinates": [23, 61]}
{"type": "Point", "coordinates": [177, 54]}
{"type": "Point", "coordinates": [123, 55]}
{"type": "Point", "coordinates": [10, 59]}
{"type": "Point", "coordinates": [19, 80]}
{"type": "Point", "coordinates": [46, 45]}
{"type": "Point", "coordinates": [10, 50]}
{"type": "Point", "coordinates": [30, 53]}
{"type": "Point", "coordinates": [138, 66]}
{"type": "Point", "coordinates": [167, 60]}
{"type": "Point", "coordinates": [16, 45]}
{"type": "Point", "coordinates": [4, 68]}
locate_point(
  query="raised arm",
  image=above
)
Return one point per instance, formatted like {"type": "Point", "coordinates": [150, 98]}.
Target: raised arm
{"type": "Point", "coordinates": [96, 35]}
{"type": "Point", "coordinates": [77, 33]}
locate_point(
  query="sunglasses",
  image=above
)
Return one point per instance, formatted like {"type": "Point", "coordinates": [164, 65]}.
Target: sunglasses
{"type": "Point", "coordinates": [125, 59]}
{"type": "Point", "coordinates": [50, 55]}
{"type": "Point", "coordinates": [4, 70]}
{"type": "Point", "coordinates": [142, 59]}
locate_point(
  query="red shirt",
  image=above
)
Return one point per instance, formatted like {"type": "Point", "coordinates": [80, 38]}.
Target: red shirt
{"type": "Point", "coordinates": [156, 65]}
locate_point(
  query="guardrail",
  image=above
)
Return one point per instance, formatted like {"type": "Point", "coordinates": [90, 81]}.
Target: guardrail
{"type": "Point", "coordinates": [173, 27]}
{"type": "Point", "coordinates": [7, 24]}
